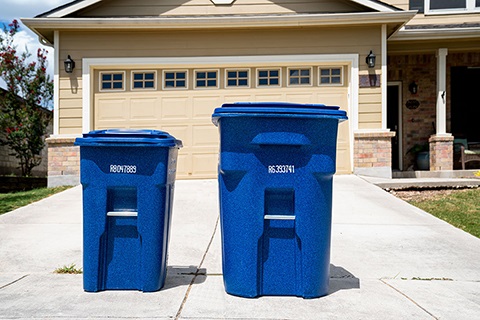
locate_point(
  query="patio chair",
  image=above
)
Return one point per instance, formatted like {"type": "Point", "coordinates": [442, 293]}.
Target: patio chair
{"type": "Point", "coordinates": [465, 152]}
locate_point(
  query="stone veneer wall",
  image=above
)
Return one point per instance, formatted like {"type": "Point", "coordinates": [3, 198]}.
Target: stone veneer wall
{"type": "Point", "coordinates": [373, 153]}
{"type": "Point", "coordinates": [63, 162]}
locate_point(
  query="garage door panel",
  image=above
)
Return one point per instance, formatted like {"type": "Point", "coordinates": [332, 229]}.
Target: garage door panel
{"type": "Point", "coordinates": [301, 98]}
{"type": "Point", "coordinates": [205, 164]}
{"type": "Point", "coordinates": [183, 133]}
{"type": "Point", "coordinates": [203, 106]}
{"type": "Point", "coordinates": [205, 135]}
{"type": "Point", "coordinates": [335, 99]}
{"type": "Point", "coordinates": [143, 109]}
{"type": "Point", "coordinates": [269, 97]}
{"type": "Point", "coordinates": [112, 109]}
{"type": "Point", "coordinates": [238, 98]}
{"type": "Point", "coordinates": [175, 108]}
{"type": "Point", "coordinates": [183, 165]}
{"type": "Point", "coordinates": [343, 167]}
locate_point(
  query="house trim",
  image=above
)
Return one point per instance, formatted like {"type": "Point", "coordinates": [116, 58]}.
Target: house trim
{"type": "Point", "coordinates": [286, 20]}
{"type": "Point", "coordinates": [384, 76]}
{"type": "Point", "coordinates": [436, 34]}
{"type": "Point", "coordinates": [56, 83]}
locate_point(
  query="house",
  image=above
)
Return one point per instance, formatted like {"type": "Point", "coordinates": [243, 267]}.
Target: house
{"type": "Point", "coordinates": [168, 64]}
{"type": "Point", "coordinates": [10, 165]}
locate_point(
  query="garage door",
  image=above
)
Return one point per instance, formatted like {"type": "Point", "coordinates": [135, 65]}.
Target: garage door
{"type": "Point", "coordinates": [181, 102]}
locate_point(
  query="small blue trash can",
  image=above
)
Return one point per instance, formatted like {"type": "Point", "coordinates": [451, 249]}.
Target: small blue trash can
{"type": "Point", "coordinates": [128, 182]}
{"type": "Point", "coordinates": [276, 166]}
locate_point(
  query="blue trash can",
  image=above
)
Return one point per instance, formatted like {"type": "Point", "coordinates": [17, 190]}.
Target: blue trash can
{"type": "Point", "coordinates": [276, 166]}
{"type": "Point", "coordinates": [128, 181]}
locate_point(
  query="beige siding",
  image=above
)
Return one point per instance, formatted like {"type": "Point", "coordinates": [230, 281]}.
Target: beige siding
{"type": "Point", "coordinates": [370, 108]}
{"type": "Point", "coordinates": [359, 40]}
{"type": "Point", "coordinates": [130, 8]}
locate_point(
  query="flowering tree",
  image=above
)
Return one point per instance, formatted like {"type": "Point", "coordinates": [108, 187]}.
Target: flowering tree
{"type": "Point", "coordinates": [24, 116]}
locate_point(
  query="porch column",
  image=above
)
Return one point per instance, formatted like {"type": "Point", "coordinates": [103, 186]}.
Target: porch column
{"type": "Point", "coordinates": [442, 91]}
{"type": "Point", "coordinates": [441, 143]}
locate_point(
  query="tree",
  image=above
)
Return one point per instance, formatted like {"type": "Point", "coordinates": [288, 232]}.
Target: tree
{"type": "Point", "coordinates": [24, 116]}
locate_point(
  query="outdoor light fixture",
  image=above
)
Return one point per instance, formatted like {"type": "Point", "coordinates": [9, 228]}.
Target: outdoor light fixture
{"type": "Point", "coordinates": [370, 60]}
{"type": "Point", "coordinates": [69, 65]}
{"type": "Point", "coordinates": [413, 87]}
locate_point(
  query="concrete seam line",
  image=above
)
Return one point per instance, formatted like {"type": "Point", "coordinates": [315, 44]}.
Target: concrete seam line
{"type": "Point", "coordinates": [14, 281]}
{"type": "Point", "coordinates": [413, 301]}
{"type": "Point", "coordinates": [179, 312]}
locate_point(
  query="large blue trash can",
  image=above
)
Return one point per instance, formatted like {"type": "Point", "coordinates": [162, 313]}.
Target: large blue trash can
{"type": "Point", "coordinates": [276, 166]}
{"type": "Point", "coordinates": [128, 182]}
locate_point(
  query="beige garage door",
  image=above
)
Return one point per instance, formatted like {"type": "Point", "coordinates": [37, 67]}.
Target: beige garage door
{"type": "Point", "coordinates": [185, 112]}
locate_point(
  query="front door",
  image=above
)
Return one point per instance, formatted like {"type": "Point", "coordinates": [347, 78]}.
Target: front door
{"type": "Point", "coordinates": [393, 123]}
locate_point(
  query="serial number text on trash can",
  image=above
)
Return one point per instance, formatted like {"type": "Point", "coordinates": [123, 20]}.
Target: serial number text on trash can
{"type": "Point", "coordinates": [281, 168]}
{"type": "Point", "coordinates": [121, 168]}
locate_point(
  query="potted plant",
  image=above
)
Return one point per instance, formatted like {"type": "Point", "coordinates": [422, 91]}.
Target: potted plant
{"type": "Point", "coordinates": [421, 152]}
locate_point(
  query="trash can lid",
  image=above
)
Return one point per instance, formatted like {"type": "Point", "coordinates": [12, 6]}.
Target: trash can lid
{"type": "Point", "coordinates": [128, 137]}
{"type": "Point", "coordinates": [278, 108]}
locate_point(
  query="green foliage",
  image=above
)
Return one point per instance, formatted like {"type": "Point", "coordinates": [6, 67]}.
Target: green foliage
{"type": "Point", "coordinates": [461, 209]}
{"type": "Point", "coordinates": [23, 120]}
{"type": "Point", "coordinates": [71, 269]}
{"type": "Point", "coordinates": [417, 148]}
{"type": "Point", "coordinates": [12, 201]}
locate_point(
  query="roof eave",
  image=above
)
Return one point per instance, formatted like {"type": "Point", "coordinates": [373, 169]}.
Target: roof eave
{"type": "Point", "coordinates": [41, 25]}
{"type": "Point", "coordinates": [436, 34]}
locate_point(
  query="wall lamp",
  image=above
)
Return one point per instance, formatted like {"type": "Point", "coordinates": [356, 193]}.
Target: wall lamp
{"type": "Point", "coordinates": [413, 87]}
{"type": "Point", "coordinates": [69, 65]}
{"type": "Point", "coordinates": [370, 60]}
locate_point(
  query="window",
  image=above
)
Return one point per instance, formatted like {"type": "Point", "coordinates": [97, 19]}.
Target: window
{"type": "Point", "coordinates": [112, 81]}
{"type": "Point", "coordinates": [298, 77]}
{"type": "Point", "coordinates": [144, 80]}
{"type": "Point", "coordinates": [237, 78]}
{"type": "Point", "coordinates": [449, 6]}
{"type": "Point", "coordinates": [206, 79]}
{"type": "Point", "coordinates": [330, 76]}
{"type": "Point", "coordinates": [175, 79]}
{"type": "Point", "coordinates": [270, 77]}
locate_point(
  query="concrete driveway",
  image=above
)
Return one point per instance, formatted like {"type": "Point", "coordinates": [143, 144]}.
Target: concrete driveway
{"type": "Point", "coordinates": [389, 260]}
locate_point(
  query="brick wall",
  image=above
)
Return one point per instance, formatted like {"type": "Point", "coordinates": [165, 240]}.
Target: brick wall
{"type": "Point", "coordinates": [441, 151]}
{"type": "Point", "coordinates": [63, 160]}
{"type": "Point", "coordinates": [373, 153]}
{"type": "Point", "coordinates": [419, 124]}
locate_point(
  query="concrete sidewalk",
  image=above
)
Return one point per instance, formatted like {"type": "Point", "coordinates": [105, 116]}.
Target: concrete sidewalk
{"type": "Point", "coordinates": [389, 261]}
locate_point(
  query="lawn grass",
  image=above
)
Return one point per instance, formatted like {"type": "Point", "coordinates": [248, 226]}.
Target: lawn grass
{"type": "Point", "coordinates": [461, 209]}
{"type": "Point", "coordinates": [12, 201]}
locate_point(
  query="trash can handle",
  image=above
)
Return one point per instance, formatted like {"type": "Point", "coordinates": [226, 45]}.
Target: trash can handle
{"type": "Point", "coordinates": [278, 217]}
{"type": "Point", "coordinates": [281, 139]}
{"type": "Point", "coordinates": [122, 214]}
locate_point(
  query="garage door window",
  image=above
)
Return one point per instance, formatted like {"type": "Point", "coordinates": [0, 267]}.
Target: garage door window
{"type": "Point", "coordinates": [175, 80]}
{"type": "Point", "coordinates": [206, 79]}
{"type": "Point", "coordinates": [144, 80]}
{"type": "Point", "coordinates": [299, 77]}
{"type": "Point", "coordinates": [110, 81]}
{"type": "Point", "coordinates": [237, 78]}
{"type": "Point", "coordinates": [331, 76]}
{"type": "Point", "coordinates": [268, 77]}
